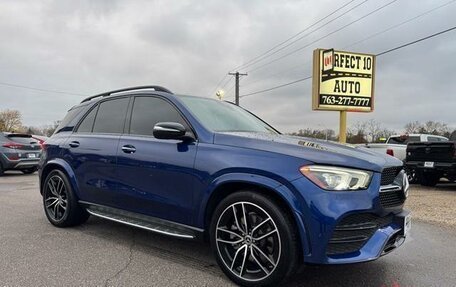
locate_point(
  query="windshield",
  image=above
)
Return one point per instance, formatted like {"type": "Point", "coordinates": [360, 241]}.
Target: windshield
{"type": "Point", "coordinates": [221, 116]}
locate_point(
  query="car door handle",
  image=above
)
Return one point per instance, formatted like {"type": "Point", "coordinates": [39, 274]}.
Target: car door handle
{"type": "Point", "coordinates": [74, 144]}
{"type": "Point", "coordinates": [128, 149]}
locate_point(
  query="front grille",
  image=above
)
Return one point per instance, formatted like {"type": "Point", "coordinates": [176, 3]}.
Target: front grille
{"type": "Point", "coordinates": [353, 231]}
{"type": "Point", "coordinates": [392, 198]}
{"type": "Point", "coordinates": [389, 174]}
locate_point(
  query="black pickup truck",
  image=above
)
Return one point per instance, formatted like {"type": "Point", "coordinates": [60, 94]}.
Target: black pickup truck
{"type": "Point", "coordinates": [432, 160]}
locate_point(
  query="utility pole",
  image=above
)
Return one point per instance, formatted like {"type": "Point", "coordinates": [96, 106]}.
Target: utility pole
{"type": "Point", "coordinates": [236, 75]}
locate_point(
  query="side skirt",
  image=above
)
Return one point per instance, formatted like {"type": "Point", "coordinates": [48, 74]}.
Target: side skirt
{"type": "Point", "coordinates": [143, 221]}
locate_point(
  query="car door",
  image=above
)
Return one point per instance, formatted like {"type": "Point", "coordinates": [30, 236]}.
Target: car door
{"type": "Point", "coordinates": [91, 151]}
{"type": "Point", "coordinates": [156, 176]}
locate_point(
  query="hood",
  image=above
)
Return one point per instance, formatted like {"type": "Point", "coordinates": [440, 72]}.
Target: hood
{"type": "Point", "coordinates": [315, 151]}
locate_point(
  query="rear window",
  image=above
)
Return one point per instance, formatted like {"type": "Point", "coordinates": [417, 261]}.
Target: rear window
{"type": "Point", "coordinates": [71, 115]}
{"type": "Point", "coordinates": [22, 139]}
{"type": "Point", "coordinates": [436, 139]}
{"type": "Point", "coordinates": [403, 140]}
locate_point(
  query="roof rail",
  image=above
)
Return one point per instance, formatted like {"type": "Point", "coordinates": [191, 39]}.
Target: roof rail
{"type": "Point", "coordinates": [155, 88]}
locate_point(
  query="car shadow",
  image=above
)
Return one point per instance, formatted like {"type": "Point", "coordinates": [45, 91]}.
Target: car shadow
{"type": "Point", "coordinates": [446, 186]}
{"type": "Point", "coordinates": [198, 255]}
{"type": "Point", "coordinates": [15, 173]}
{"type": "Point", "coordinates": [443, 185]}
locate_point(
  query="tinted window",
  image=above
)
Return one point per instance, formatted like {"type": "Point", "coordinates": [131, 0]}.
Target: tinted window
{"type": "Point", "coordinates": [403, 139]}
{"type": "Point", "coordinates": [111, 116]}
{"type": "Point", "coordinates": [22, 139]}
{"type": "Point", "coordinates": [68, 118]}
{"type": "Point", "coordinates": [434, 139]}
{"type": "Point", "coordinates": [87, 124]}
{"type": "Point", "coordinates": [147, 111]}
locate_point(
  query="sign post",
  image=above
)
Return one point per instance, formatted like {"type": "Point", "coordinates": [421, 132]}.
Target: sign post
{"type": "Point", "coordinates": [343, 81]}
{"type": "Point", "coordinates": [343, 127]}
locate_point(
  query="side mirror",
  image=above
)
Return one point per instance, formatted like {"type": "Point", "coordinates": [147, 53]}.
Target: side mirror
{"type": "Point", "coordinates": [169, 131]}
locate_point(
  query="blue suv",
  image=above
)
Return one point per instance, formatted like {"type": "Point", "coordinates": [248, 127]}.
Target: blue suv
{"type": "Point", "coordinates": [199, 168]}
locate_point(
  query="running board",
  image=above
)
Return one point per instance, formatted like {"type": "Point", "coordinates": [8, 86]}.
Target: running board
{"type": "Point", "coordinates": [142, 221]}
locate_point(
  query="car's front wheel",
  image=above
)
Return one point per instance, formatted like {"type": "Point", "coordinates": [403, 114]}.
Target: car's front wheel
{"type": "Point", "coordinates": [254, 239]}
{"type": "Point", "coordinates": [60, 203]}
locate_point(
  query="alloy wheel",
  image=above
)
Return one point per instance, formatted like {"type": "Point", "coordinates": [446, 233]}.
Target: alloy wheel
{"type": "Point", "coordinates": [56, 198]}
{"type": "Point", "coordinates": [248, 241]}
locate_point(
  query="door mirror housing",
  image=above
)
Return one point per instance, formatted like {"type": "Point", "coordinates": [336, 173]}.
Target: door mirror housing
{"type": "Point", "coordinates": [169, 131]}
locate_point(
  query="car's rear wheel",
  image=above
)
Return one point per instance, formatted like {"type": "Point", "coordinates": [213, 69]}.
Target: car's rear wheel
{"type": "Point", "coordinates": [254, 240]}
{"type": "Point", "coordinates": [60, 203]}
{"type": "Point", "coordinates": [1, 169]}
{"type": "Point", "coordinates": [29, 170]}
{"type": "Point", "coordinates": [429, 179]}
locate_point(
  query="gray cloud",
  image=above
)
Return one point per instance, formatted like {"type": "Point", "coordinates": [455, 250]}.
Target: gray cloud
{"type": "Point", "coordinates": [92, 46]}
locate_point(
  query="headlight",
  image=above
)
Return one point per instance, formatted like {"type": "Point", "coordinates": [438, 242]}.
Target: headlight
{"type": "Point", "coordinates": [337, 178]}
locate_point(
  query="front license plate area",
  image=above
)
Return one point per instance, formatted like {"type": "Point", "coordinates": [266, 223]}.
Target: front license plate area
{"type": "Point", "coordinates": [429, 164]}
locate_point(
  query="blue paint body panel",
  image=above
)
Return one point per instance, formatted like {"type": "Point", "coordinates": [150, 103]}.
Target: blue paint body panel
{"type": "Point", "coordinates": [174, 180]}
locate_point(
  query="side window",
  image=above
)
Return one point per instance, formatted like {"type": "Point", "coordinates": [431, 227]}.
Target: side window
{"type": "Point", "coordinates": [147, 111]}
{"type": "Point", "coordinates": [433, 139]}
{"type": "Point", "coordinates": [86, 125]}
{"type": "Point", "coordinates": [65, 124]}
{"type": "Point", "coordinates": [111, 116]}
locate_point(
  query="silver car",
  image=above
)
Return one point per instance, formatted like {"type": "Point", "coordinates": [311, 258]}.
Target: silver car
{"type": "Point", "coordinates": [19, 152]}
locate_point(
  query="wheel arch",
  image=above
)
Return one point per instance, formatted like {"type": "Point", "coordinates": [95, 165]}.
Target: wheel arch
{"type": "Point", "coordinates": [282, 195]}
{"type": "Point", "coordinates": [62, 166]}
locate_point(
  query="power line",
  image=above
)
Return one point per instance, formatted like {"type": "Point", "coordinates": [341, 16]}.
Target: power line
{"type": "Point", "coordinates": [416, 41]}
{"type": "Point", "coordinates": [379, 54]}
{"type": "Point", "coordinates": [277, 87]}
{"type": "Point", "coordinates": [365, 39]}
{"type": "Point", "coordinates": [227, 82]}
{"type": "Point", "coordinates": [323, 37]}
{"type": "Point", "coordinates": [399, 24]}
{"type": "Point", "coordinates": [39, 89]}
{"type": "Point", "coordinates": [283, 71]}
{"type": "Point", "coordinates": [265, 54]}
{"type": "Point", "coordinates": [218, 84]}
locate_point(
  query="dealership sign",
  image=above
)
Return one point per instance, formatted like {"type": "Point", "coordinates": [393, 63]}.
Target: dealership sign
{"type": "Point", "coordinates": [343, 81]}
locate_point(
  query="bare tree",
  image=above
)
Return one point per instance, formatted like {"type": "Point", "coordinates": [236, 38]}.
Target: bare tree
{"type": "Point", "coordinates": [435, 128]}
{"type": "Point", "coordinates": [429, 127]}
{"type": "Point", "coordinates": [373, 128]}
{"type": "Point", "coordinates": [412, 127]}
{"type": "Point", "coordinates": [10, 120]}
{"type": "Point", "coordinates": [357, 133]}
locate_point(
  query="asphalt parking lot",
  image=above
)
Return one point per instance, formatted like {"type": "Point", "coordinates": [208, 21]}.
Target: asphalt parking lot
{"type": "Point", "coordinates": [103, 253]}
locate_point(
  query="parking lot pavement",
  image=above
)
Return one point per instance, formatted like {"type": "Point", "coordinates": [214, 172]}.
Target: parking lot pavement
{"type": "Point", "coordinates": [434, 204]}
{"type": "Point", "coordinates": [100, 252]}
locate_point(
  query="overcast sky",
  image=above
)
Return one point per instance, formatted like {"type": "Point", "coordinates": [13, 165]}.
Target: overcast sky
{"type": "Point", "coordinates": [88, 47]}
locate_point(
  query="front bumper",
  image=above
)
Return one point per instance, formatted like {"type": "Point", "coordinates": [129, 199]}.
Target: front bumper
{"type": "Point", "coordinates": [331, 224]}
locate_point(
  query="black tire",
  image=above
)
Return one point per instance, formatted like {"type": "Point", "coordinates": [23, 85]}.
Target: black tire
{"type": "Point", "coordinates": [29, 170]}
{"type": "Point", "coordinates": [60, 203]}
{"type": "Point", "coordinates": [429, 179]}
{"type": "Point", "coordinates": [281, 247]}
{"type": "Point", "coordinates": [1, 169]}
{"type": "Point", "coordinates": [412, 176]}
